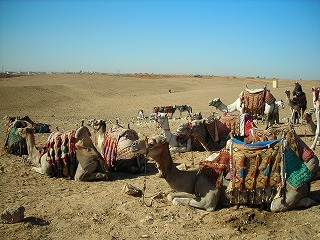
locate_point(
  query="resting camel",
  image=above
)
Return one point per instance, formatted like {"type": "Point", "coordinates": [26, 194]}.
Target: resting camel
{"type": "Point", "coordinates": [173, 139]}
{"type": "Point", "coordinates": [195, 189]}
{"type": "Point", "coordinates": [211, 134]}
{"type": "Point", "coordinates": [114, 145]}
{"type": "Point", "coordinates": [316, 104]}
{"type": "Point", "coordinates": [271, 111]}
{"type": "Point", "coordinates": [307, 117]}
{"type": "Point", "coordinates": [184, 108]}
{"type": "Point", "coordinates": [295, 107]}
{"type": "Point", "coordinates": [71, 154]}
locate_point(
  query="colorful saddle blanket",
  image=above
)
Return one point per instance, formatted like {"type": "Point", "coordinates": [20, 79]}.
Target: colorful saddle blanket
{"type": "Point", "coordinates": [61, 154]}
{"type": "Point", "coordinates": [257, 170]}
{"type": "Point", "coordinates": [239, 125]}
{"type": "Point", "coordinates": [214, 169]}
{"type": "Point", "coordinates": [117, 145]}
{"type": "Point", "coordinates": [253, 103]}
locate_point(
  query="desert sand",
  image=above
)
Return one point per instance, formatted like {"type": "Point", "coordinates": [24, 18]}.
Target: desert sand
{"type": "Point", "coordinates": [66, 209]}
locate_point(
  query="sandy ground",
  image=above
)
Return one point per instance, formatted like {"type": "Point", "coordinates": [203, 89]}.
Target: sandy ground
{"type": "Point", "coordinates": [66, 209]}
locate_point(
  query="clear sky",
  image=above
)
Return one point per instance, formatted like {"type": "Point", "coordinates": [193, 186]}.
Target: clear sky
{"type": "Point", "coordinates": [278, 39]}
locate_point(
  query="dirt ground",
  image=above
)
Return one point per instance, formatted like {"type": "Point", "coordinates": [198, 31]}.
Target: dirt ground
{"type": "Point", "coordinates": [66, 209]}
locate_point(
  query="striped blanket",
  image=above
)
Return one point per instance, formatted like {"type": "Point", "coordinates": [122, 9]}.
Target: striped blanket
{"type": "Point", "coordinates": [61, 153]}
{"type": "Point", "coordinates": [117, 145]}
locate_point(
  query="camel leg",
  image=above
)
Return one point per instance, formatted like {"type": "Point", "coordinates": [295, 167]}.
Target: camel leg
{"type": "Point", "coordinates": [294, 198]}
{"type": "Point", "coordinates": [44, 168]}
{"type": "Point", "coordinates": [88, 174]}
{"type": "Point", "coordinates": [209, 202]}
{"type": "Point", "coordinates": [313, 146]}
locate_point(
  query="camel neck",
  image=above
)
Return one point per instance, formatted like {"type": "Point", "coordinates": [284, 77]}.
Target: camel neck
{"type": "Point", "coordinates": [32, 150]}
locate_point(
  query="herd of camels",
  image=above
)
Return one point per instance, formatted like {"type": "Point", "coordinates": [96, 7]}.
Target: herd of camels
{"type": "Point", "coordinates": [271, 168]}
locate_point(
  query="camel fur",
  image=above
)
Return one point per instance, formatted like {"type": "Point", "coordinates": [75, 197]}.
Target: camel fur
{"type": "Point", "coordinates": [296, 106]}
{"type": "Point", "coordinates": [194, 189]}
{"type": "Point", "coordinates": [316, 104]}
{"type": "Point", "coordinates": [175, 145]}
{"type": "Point", "coordinates": [88, 160]}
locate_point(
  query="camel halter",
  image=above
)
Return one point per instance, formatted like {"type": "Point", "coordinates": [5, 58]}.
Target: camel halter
{"type": "Point", "coordinates": [145, 173]}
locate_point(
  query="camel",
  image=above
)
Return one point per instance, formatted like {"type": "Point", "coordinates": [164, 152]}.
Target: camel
{"type": "Point", "coordinates": [211, 134]}
{"type": "Point", "coordinates": [82, 161]}
{"type": "Point", "coordinates": [184, 108]}
{"type": "Point", "coordinates": [307, 117]}
{"type": "Point", "coordinates": [184, 145]}
{"type": "Point", "coordinates": [271, 111]}
{"type": "Point", "coordinates": [165, 109]}
{"type": "Point", "coordinates": [295, 107]}
{"type": "Point", "coordinates": [100, 128]}
{"type": "Point", "coordinates": [195, 189]}
{"type": "Point", "coordinates": [114, 147]}
{"type": "Point", "coordinates": [316, 104]}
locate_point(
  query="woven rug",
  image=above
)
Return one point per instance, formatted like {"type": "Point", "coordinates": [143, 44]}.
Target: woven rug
{"type": "Point", "coordinates": [214, 169]}
{"type": "Point", "coordinates": [253, 103]}
{"type": "Point", "coordinates": [297, 171]}
{"type": "Point", "coordinates": [254, 168]}
{"type": "Point", "coordinates": [61, 154]}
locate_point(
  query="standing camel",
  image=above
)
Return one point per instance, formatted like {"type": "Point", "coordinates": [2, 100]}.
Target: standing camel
{"type": "Point", "coordinates": [271, 111]}
{"type": "Point", "coordinates": [316, 104]}
{"type": "Point", "coordinates": [295, 106]}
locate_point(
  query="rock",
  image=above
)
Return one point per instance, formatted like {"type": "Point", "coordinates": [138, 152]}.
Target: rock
{"type": "Point", "coordinates": [182, 166]}
{"type": "Point", "coordinates": [131, 190]}
{"type": "Point", "coordinates": [13, 214]}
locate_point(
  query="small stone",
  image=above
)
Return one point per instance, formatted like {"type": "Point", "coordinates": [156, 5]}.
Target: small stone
{"type": "Point", "coordinates": [13, 214]}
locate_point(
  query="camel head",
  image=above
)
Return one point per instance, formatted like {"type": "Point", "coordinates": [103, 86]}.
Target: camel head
{"type": "Point", "coordinates": [215, 102]}
{"type": "Point", "coordinates": [197, 127]}
{"type": "Point", "coordinates": [280, 103]}
{"type": "Point", "coordinates": [24, 132]}
{"type": "Point", "coordinates": [184, 128]}
{"type": "Point", "coordinates": [96, 124]}
{"type": "Point", "coordinates": [154, 147]}
{"type": "Point", "coordinates": [307, 116]}
{"type": "Point", "coordinates": [287, 92]}
{"type": "Point", "coordinates": [150, 146]}
{"type": "Point", "coordinates": [315, 93]}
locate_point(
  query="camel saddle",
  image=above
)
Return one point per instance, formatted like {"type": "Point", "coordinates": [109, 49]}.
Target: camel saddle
{"type": "Point", "coordinates": [253, 100]}
{"type": "Point", "coordinates": [214, 169]}
{"type": "Point", "coordinates": [117, 145]}
{"type": "Point", "coordinates": [61, 154]}
{"type": "Point", "coordinates": [259, 169]}
{"type": "Point", "coordinates": [239, 125]}
{"type": "Point", "coordinates": [217, 129]}
{"type": "Point", "coordinates": [13, 140]}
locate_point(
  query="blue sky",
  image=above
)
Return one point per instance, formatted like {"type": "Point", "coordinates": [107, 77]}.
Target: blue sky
{"type": "Point", "coordinates": [278, 39]}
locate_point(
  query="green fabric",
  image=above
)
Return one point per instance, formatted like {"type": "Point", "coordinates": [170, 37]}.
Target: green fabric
{"type": "Point", "coordinates": [13, 137]}
{"type": "Point", "coordinates": [297, 171]}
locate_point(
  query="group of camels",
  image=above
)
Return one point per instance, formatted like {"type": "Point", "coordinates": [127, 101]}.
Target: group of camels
{"type": "Point", "coordinates": [216, 181]}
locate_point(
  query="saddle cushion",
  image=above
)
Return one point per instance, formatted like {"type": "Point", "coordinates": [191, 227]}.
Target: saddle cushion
{"type": "Point", "coordinates": [117, 145]}
{"type": "Point", "coordinates": [253, 103]}
{"type": "Point", "coordinates": [297, 171]}
{"type": "Point", "coordinates": [214, 169]}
